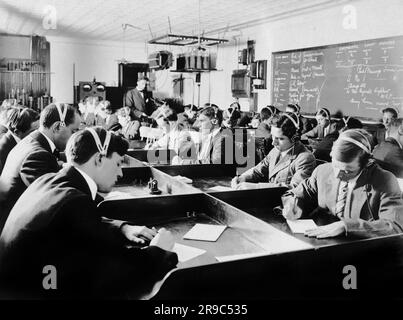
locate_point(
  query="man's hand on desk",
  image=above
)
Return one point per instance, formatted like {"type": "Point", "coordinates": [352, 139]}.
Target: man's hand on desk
{"type": "Point", "coordinates": [163, 239]}
{"type": "Point", "coordinates": [291, 208]}
{"type": "Point", "coordinates": [236, 181]}
{"type": "Point", "coordinates": [330, 230]}
{"type": "Point", "coordinates": [138, 234]}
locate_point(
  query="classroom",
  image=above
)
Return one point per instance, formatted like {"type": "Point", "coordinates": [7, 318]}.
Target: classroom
{"type": "Point", "coordinates": [198, 149]}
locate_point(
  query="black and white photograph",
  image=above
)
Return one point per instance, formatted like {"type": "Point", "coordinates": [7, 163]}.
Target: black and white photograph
{"type": "Point", "coordinates": [201, 155]}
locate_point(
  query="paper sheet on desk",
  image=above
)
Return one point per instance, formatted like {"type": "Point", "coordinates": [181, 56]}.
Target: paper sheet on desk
{"type": "Point", "coordinates": [220, 188]}
{"type": "Point", "coordinates": [115, 195]}
{"type": "Point", "coordinates": [186, 253]}
{"type": "Point", "coordinates": [205, 232]}
{"type": "Point", "coordinates": [302, 225]}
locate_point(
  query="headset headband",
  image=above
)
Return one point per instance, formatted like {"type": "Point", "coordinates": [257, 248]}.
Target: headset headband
{"type": "Point", "coordinates": [103, 149]}
{"type": "Point", "coordinates": [272, 110]}
{"type": "Point", "coordinates": [367, 149]}
{"type": "Point", "coordinates": [325, 111]}
{"type": "Point", "coordinates": [62, 115]}
{"type": "Point", "coordinates": [296, 123]}
{"type": "Point", "coordinates": [346, 121]}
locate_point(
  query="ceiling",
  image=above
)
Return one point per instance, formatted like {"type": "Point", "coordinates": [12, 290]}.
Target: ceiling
{"type": "Point", "coordinates": [103, 19]}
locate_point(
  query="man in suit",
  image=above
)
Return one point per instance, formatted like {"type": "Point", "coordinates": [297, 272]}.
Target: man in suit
{"type": "Point", "coordinates": [36, 154]}
{"type": "Point", "coordinates": [361, 198]}
{"type": "Point", "coordinates": [389, 153]}
{"type": "Point", "coordinates": [56, 222]}
{"type": "Point", "coordinates": [138, 99]}
{"type": "Point", "coordinates": [388, 115]}
{"type": "Point", "coordinates": [287, 164]}
{"type": "Point", "coordinates": [22, 122]}
{"type": "Point", "coordinates": [324, 127]}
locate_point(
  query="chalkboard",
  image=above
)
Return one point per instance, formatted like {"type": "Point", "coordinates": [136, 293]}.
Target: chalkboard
{"type": "Point", "coordinates": [359, 79]}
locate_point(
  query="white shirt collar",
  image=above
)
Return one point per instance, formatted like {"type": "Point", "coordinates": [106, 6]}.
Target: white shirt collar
{"type": "Point", "coordinates": [283, 153]}
{"type": "Point", "coordinates": [91, 183]}
{"type": "Point", "coordinates": [52, 145]}
{"type": "Point", "coordinates": [15, 137]}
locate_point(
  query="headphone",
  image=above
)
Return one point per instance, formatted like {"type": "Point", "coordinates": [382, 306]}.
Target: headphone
{"type": "Point", "coordinates": [366, 148]}
{"type": "Point", "coordinates": [327, 112]}
{"type": "Point", "coordinates": [214, 120]}
{"type": "Point", "coordinates": [296, 124]}
{"type": "Point", "coordinates": [272, 109]}
{"type": "Point", "coordinates": [102, 148]}
{"type": "Point", "coordinates": [346, 121]}
{"type": "Point", "coordinates": [62, 114]}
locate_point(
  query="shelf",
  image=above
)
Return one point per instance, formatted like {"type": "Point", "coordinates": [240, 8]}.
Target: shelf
{"type": "Point", "coordinates": [182, 40]}
{"type": "Point", "coordinates": [195, 70]}
{"type": "Point", "coordinates": [19, 71]}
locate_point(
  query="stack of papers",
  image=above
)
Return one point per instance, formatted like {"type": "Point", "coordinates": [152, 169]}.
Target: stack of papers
{"type": "Point", "coordinates": [302, 225]}
{"type": "Point", "coordinates": [205, 232]}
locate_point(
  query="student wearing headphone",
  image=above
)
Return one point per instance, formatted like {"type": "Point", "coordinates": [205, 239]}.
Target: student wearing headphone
{"type": "Point", "coordinates": [56, 222]}
{"type": "Point", "coordinates": [324, 147]}
{"type": "Point", "coordinates": [287, 164]}
{"type": "Point", "coordinates": [324, 127]}
{"type": "Point", "coordinates": [210, 148]}
{"type": "Point", "coordinates": [36, 154]}
{"type": "Point", "coordinates": [306, 124]}
{"type": "Point", "coordinates": [352, 192]}
{"type": "Point", "coordinates": [263, 140]}
{"type": "Point", "coordinates": [22, 122]}
{"type": "Point", "coordinates": [388, 115]}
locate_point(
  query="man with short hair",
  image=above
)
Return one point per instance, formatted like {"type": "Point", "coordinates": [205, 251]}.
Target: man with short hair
{"type": "Point", "coordinates": [306, 123]}
{"type": "Point", "coordinates": [361, 198]}
{"type": "Point", "coordinates": [56, 222]}
{"type": "Point", "coordinates": [22, 122]}
{"type": "Point", "coordinates": [36, 154]}
{"type": "Point", "coordinates": [389, 153]}
{"type": "Point", "coordinates": [139, 99]}
{"type": "Point", "coordinates": [388, 114]}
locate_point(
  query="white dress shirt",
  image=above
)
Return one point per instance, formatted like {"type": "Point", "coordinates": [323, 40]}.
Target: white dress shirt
{"type": "Point", "coordinates": [91, 183]}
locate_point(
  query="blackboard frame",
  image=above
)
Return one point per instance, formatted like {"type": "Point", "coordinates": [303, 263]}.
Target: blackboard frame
{"type": "Point", "coordinates": [330, 46]}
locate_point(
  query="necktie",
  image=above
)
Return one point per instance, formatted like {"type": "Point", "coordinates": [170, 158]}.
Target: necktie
{"type": "Point", "coordinates": [341, 198]}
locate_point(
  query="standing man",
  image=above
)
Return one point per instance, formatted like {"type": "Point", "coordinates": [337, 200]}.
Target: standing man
{"type": "Point", "coordinates": [36, 154]}
{"type": "Point", "coordinates": [139, 99]}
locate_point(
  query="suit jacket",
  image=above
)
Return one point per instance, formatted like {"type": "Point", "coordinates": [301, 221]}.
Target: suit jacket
{"type": "Point", "coordinates": [375, 188]}
{"type": "Point", "coordinates": [216, 150]}
{"type": "Point", "coordinates": [7, 142]}
{"type": "Point", "coordinates": [138, 104]}
{"type": "Point", "coordinates": [56, 222]}
{"type": "Point", "coordinates": [319, 131]}
{"type": "Point", "coordinates": [306, 124]}
{"type": "Point", "coordinates": [291, 170]}
{"type": "Point", "coordinates": [323, 148]}
{"type": "Point", "coordinates": [27, 161]}
{"type": "Point", "coordinates": [389, 155]}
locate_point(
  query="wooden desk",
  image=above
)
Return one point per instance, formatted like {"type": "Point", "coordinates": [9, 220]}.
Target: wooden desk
{"type": "Point", "coordinates": [204, 176]}
{"type": "Point", "coordinates": [158, 156]}
{"type": "Point", "coordinates": [260, 204]}
{"type": "Point", "coordinates": [283, 267]}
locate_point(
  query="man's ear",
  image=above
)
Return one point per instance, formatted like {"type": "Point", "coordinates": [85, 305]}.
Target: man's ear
{"type": "Point", "coordinates": [98, 159]}
{"type": "Point", "coordinates": [56, 126]}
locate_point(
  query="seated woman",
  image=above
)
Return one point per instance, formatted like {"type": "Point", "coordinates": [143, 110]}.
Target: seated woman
{"type": "Point", "coordinates": [105, 117]}
{"type": "Point", "coordinates": [130, 127]}
{"type": "Point", "coordinates": [324, 127]}
{"type": "Point", "coordinates": [175, 138]}
{"type": "Point", "coordinates": [210, 147]}
{"type": "Point", "coordinates": [323, 148]}
{"type": "Point", "coordinates": [287, 164]}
